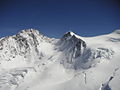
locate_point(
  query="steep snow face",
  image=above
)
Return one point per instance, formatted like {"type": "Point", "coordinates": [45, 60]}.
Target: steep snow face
{"type": "Point", "coordinates": [72, 48]}
{"type": "Point", "coordinates": [32, 61]}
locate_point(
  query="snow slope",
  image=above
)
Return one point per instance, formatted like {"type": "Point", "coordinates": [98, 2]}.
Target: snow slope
{"type": "Point", "coordinates": [32, 61]}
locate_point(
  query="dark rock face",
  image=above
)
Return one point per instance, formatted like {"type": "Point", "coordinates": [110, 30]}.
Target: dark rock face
{"type": "Point", "coordinates": [75, 44]}
{"type": "Point", "coordinates": [72, 47]}
{"type": "Point", "coordinates": [65, 36]}
{"type": "Point", "coordinates": [79, 46]}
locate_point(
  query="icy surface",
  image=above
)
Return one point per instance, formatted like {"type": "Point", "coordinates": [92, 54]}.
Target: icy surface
{"type": "Point", "coordinates": [32, 61]}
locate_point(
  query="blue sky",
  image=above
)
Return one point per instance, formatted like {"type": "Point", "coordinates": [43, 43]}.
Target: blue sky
{"type": "Point", "coordinates": [55, 17]}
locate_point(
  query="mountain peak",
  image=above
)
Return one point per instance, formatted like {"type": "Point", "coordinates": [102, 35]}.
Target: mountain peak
{"type": "Point", "coordinates": [69, 34]}
{"type": "Point", "coordinates": [29, 31]}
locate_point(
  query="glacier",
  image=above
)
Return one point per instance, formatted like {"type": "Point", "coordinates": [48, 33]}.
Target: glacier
{"type": "Point", "coordinates": [30, 60]}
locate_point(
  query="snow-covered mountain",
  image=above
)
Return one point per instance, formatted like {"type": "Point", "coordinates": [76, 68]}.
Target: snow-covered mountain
{"type": "Point", "coordinates": [32, 61]}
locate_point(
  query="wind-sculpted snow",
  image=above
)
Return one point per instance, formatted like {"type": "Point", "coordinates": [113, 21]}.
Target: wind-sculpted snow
{"type": "Point", "coordinates": [91, 57]}
{"type": "Point", "coordinates": [10, 80]}
{"type": "Point", "coordinates": [32, 61]}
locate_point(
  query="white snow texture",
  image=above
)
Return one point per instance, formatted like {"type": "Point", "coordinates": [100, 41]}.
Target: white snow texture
{"type": "Point", "coordinates": [32, 61]}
